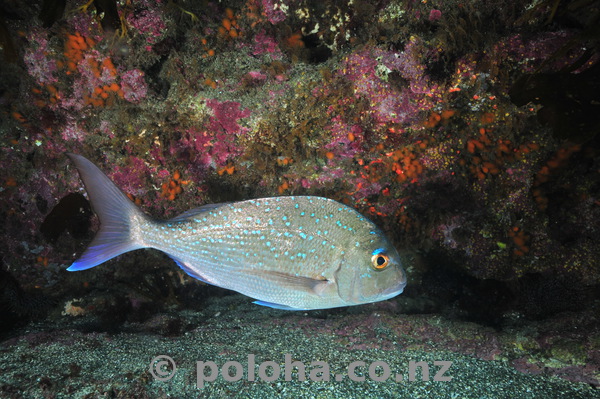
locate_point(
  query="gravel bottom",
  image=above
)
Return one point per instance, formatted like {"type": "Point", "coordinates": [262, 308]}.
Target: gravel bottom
{"type": "Point", "coordinates": [70, 358]}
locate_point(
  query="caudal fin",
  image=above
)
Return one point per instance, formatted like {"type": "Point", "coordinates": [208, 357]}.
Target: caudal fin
{"type": "Point", "coordinates": [118, 217]}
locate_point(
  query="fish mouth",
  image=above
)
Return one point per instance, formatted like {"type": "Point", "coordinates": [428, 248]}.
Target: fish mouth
{"type": "Point", "coordinates": [394, 290]}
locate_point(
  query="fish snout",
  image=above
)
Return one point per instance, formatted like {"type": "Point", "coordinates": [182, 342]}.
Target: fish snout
{"type": "Point", "coordinates": [397, 287]}
{"type": "Point", "coordinates": [394, 290]}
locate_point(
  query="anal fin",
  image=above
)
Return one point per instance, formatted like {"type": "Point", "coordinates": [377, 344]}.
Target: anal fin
{"type": "Point", "coordinates": [275, 305]}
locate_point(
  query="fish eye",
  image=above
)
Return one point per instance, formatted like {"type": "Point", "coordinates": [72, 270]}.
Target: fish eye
{"type": "Point", "coordinates": [380, 261]}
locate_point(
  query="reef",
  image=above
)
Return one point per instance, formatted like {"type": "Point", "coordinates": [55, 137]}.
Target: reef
{"type": "Point", "coordinates": [467, 130]}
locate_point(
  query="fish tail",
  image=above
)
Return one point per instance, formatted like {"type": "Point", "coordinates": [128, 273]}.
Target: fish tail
{"type": "Point", "coordinates": [119, 218]}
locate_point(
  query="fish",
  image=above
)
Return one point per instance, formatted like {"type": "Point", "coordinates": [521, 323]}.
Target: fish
{"type": "Point", "coordinates": [287, 252]}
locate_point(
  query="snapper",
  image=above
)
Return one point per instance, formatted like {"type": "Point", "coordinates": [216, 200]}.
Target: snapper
{"type": "Point", "coordinates": [294, 253]}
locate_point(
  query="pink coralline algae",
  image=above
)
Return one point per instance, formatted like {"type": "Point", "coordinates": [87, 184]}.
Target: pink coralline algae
{"type": "Point", "coordinates": [265, 44]}
{"type": "Point", "coordinates": [149, 23]}
{"type": "Point", "coordinates": [87, 71]}
{"type": "Point", "coordinates": [134, 86]}
{"type": "Point", "coordinates": [273, 11]}
{"type": "Point", "coordinates": [93, 72]}
{"type": "Point", "coordinates": [132, 178]}
{"type": "Point", "coordinates": [225, 117]}
{"type": "Point", "coordinates": [341, 145]}
{"type": "Point", "coordinates": [215, 146]}
{"type": "Point", "coordinates": [434, 15]}
{"type": "Point", "coordinates": [205, 149]}
{"type": "Point", "coordinates": [409, 64]}
{"type": "Point", "coordinates": [106, 129]}
{"type": "Point", "coordinates": [87, 23]}
{"type": "Point", "coordinates": [370, 68]}
{"type": "Point", "coordinates": [39, 65]}
{"type": "Point", "coordinates": [72, 130]}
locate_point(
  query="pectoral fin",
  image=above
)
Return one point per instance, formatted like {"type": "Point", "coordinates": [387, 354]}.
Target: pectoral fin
{"type": "Point", "coordinates": [299, 283]}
